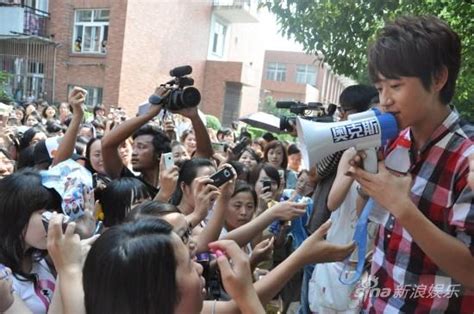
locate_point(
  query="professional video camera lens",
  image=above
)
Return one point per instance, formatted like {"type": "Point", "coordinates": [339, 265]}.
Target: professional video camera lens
{"type": "Point", "coordinates": [187, 97]}
{"type": "Point", "coordinates": [287, 124]}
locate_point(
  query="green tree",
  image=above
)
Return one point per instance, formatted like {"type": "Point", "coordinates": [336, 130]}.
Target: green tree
{"type": "Point", "coordinates": [341, 30]}
{"type": "Point", "coordinates": [213, 122]}
{"type": "Point", "coordinates": [4, 97]}
{"type": "Point", "coordinates": [268, 105]}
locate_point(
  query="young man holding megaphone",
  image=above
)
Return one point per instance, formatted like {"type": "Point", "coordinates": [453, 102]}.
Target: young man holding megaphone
{"type": "Point", "coordinates": [423, 260]}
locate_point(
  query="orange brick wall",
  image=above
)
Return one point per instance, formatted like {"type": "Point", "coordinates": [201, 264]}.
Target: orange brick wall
{"type": "Point", "coordinates": [88, 70]}
{"type": "Point", "coordinates": [160, 35]}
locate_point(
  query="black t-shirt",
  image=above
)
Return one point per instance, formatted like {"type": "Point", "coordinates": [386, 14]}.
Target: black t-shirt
{"type": "Point", "coordinates": [151, 189]}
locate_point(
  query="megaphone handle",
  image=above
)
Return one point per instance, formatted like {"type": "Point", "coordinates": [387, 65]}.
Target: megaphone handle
{"type": "Point", "coordinates": [370, 161]}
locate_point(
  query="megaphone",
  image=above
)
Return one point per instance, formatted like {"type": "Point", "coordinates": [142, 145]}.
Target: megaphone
{"type": "Point", "coordinates": [366, 130]}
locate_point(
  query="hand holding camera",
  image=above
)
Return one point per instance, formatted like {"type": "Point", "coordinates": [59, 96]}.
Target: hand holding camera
{"type": "Point", "coordinates": [204, 194]}
{"type": "Point", "coordinates": [169, 174]}
{"type": "Point", "coordinates": [234, 266]}
{"type": "Point", "coordinates": [179, 93]}
{"type": "Point", "coordinates": [224, 178]}
{"type": "Point", "coordinates": [266, 194]}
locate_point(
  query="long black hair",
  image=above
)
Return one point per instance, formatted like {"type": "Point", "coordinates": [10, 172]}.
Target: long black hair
{"type": "Point", "coordinates": [151, 209]}
{"type": "Point", "coordinates": [88, 153]}
{"type": "Point", "coordinates": [21, 194]}
{"type": "Point", "coordinates": [187, 174]}
{"type": "Point", "coordinates": [270, 170]}
{"type": "Point", "coordinates": [242, 186]}
{"type": "Point", "coordinates": [119, 196]}
{"type": "Point", "coordinates": [131, 268]}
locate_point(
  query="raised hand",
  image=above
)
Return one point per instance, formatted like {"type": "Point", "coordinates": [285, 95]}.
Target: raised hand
{"type": "Point", "coordinates": [262, 251]}
{"type": "Point", "coordinates": [66, 249]}
{"type": "Point", "coordinates": [389, 189]}
{"type": "Point", "coordinates": [204, 194]}
{"type": "Point", "coordinates": [288, 210]}
{"type": "Point", "coordinates": [234, 266]}
{"type": "Point", "coordinates": [227, 189]}
{"type": "Point", "coordinates": [76, 99]}
{"type": "Point", "coordinates": [168, 181]}
{"type": "Point", "coordinates": [317, 250]}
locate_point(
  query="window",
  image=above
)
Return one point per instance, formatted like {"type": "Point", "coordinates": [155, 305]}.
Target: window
{"type": "Point", "coordinates": [40, 5]}
{"type": "Point", "coordinates": [306, 74]}
{"type": "Point", "coordinates": [35, 79]}
{"type": "Point", "coordinates": [218, 37]}
{"type": "Point", "coordinates": [91, 29]}
{"type": "Point", "coordinates": [276, 72]}
{"type": "Point", "coordinates": [94, 95]}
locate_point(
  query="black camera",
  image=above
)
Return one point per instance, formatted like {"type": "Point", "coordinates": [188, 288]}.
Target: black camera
{"type": "Point", "coordinates": [301, 109]}
{"type": "Point", "coordinates": [240, 146]}
{"type": "Point", "coordinates": [222, 176]}
{"type": "Point", "coordinates": [214, 286]}
{"type": "Point", "coordinates": [182, 94]}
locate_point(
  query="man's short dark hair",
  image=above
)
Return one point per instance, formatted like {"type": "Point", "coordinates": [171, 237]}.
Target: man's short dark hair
{"type": "Point", "coordinates": [161, 142]}
{"type": "Point", "coordinates": [357, 97]}
{"type": "Point", "coordinates": [417, 47]}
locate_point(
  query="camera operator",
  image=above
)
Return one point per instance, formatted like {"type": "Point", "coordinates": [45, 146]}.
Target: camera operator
{"type": "Point", "coordinates": [148, 145]}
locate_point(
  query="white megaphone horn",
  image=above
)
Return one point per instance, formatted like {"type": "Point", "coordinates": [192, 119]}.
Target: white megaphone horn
{"type": "Point", "coordinates": [365, 130]}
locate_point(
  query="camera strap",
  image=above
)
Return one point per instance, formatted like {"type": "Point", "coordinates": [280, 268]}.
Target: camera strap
{"type": "Point", "coordinates": [360, 238]}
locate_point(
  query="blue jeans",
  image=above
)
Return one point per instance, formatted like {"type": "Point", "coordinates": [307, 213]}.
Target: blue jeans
{"type": "Point", "coordinates": [304, 303]}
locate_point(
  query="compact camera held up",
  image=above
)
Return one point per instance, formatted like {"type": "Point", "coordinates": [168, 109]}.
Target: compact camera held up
{"type": "Point", "coordinates": [182, 94]}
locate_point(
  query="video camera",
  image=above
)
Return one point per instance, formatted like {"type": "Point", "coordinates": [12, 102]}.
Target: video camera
{"type": "Point", "coordinates": [301, 109]}
{"type": "Point", "coordinates": [182, 94]}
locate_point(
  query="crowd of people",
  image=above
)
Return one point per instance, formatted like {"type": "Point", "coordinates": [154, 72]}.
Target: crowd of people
{"type": "Point", "coordinates": [94, 220]}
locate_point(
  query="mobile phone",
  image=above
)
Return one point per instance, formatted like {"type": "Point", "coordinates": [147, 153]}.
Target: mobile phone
{"type": "Point", "coordinates": [169, 160]}
{"type": "Point", "coordinates": [267, 186]}
{"type": "Point", "coordinates": [222, 176]}
{"type": "Point", "coordinates": [219, 147]}
{"type": "Point", "coordinates": [237, 150]}
{"type": "Point", "coordinates": [46, 217]}
{"type": "Point", "coordinates": [211, 274]}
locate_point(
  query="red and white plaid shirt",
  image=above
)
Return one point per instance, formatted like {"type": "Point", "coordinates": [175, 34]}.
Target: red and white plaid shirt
{"type": "Point", "coordinates": [406, 279]}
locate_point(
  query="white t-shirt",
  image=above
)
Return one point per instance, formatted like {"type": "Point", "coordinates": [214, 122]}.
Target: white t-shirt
{"type": "Point", "coordinates": [37, 298]}
{"type": "Point", "coordinates": [326, 293]}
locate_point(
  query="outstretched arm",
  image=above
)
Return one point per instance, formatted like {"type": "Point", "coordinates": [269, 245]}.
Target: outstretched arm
{"type": "Point", "coordinates": [313, 250]}
{"type": "Point", "coordinates": [112, 140]}
{"type": "Point", "coordinates": [66, 147]}
{"type": "Point", "coordinates": [342, 182]}
{"type": "Point", "coordinates": [283, 211]}
{"type": "Point", "coordinates": [203, 142]}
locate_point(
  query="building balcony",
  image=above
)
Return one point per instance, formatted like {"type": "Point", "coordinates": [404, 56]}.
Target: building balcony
{"type": "Point", "coordinates": [236, 11]}
{"type": "Point", "coordinates": [23, 20]}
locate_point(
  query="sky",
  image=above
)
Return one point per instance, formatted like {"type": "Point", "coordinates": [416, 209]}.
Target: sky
{"type": "Point", "coordinates": [273, 39]}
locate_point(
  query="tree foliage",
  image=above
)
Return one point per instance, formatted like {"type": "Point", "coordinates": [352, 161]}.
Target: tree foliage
{"type": "Point", "coordinates": [212, 122]}
{"type": "Point", "coordinates": [341, 30]}
{"type": "Point", "coordinates": [268, 105]}
{"type": "Point", "coordinates": [4, 97]}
